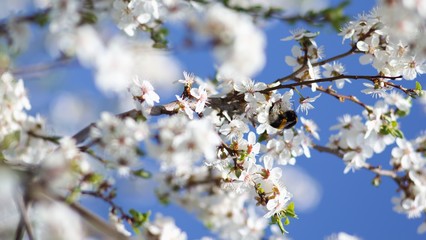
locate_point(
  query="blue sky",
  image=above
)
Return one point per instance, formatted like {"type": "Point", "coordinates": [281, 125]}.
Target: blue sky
{"type": "Point", "coordinates": [349, 202]}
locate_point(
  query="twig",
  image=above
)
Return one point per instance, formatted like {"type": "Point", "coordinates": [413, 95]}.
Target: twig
{"type": "Point", "coordinates": [24, 221]}
{"type": "Point", "coordinates": [41, 67]}
{"type": "Point", "coordinates": [342, 98]}
{"type": "Point", "coordinates": [303, 67]}
{"type": "Point", "coordinates": [95, 221]}
{"type": "Point", "coordinates": [376, 170]}
{"type": "Point", "coordinates": [109, 201]}
{"type": "Point", "coordinates": [352, 50]}
{"type": "Point", "coordinates": [330, 79]}
{"type": "Point", "coordinates": [83, 134]}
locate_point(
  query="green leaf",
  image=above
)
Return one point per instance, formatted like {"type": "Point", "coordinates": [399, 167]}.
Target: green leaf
{"type": "Point", "coordinates": [238, 172]}
{"type": "Point", "coordinates": [93, 178]}
{"type": "Point", "coordinates": [9, 139]}
{"type": "Point", "coordinates": [401, 113]}
{"type": "Point", "coordinates": [418, 86]}
{"type": "Point", "coordinates": [142, 173]}
{"type": "Point", "coordinates": [277, 220]}
{"type": "Point", "coordinates": [290, 212]}
{"type": "Point", "coordinates": [263, 137]}
{"type": "Point", "coordinates": [376, 181]}
{"type": "Point", "coordinates": [163, 198]}
{"type": "Point", "coordinates": [287, 221]}
{"type": "Point", "coordinates": [139, 218]}
{"type": "Point", "coordinates": [74, 195]}
{"type": "Point", "coordinates": [384, 130]}
{"type": "Point", "coordinates": [136, 230]}
{"type": "Point", "coordinates": [42, 19]}
{"type": "Point", "coordinates": [396, 133]}
{"type": "Point", "coordinates": [88, 18]}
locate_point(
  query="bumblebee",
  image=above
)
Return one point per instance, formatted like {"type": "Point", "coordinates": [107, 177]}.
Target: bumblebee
{"type": "Point", "coordinates": [281, 119]}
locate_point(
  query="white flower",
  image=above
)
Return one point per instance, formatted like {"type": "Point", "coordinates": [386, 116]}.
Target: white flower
{"type": "Point", "coordinates": [370, 46]}
{"type": "Point", "coordinates": [263, 119]}
{"type": "Point", "coordinates": [189, 79]}
{"type": "Point", "coordinates": [375, 91]}
{"type": "Point", "coordinates": [163, 228]}
{"type": "Point", "coordinates": [311, 127]}
{"type": "Point", "coordinates": [56, 221]}
{"type": "Point", "coordinates": [406, 155]}
{"type": "Point", "coordinates": [395, 98]}
{"type": "Point", "coordinates": [298, 34]}
{"type": "Point", "coordinates": [130, 14]}
{"type": "Point", "coordinates": [120, 139]}
{"type": "Point", "coordinates": [422, 228]}
{"type": "Point", "coordinates": [200, 94]}
{"type": "Point", "coordinates": [334, 70]}
{"type": "Point", "coordinates": [234, 130]}
{"type": "Point", "coordinates": [115, 67]}
{"type": "Point", "coordinates": [342, 236]}
{"type": "Point", "coordinates": [413, 207]}
{"type": "Point", "coordinates": [292, 147]}
{"type": "Point", "coordinates": [240, 43]}
{"type": "Point", "coordinates": [184, 105]}
{"type": "Point", "coordinates": [270, 172]}
{"type": "Point", "coordinates": [412, 67]}
{"type": "Point", "coordinates": [251, 89]}
{"type": "Point", "coordinates": [356, 157]}
{"type": "Point", "coordinates": [253, 147]}
{"type": "Point", "coordinates": [305, 104]}
{"type": "Point", "coordinates": [118, 224]}
{"type": "Point", "coordinates": [144, 92]}
{"type": "Point", "coordinates": [182, 143]}
{"type": "Point", "coordinates": [297, 59]}
{"type": "Point", "coordinates": [279, 202]}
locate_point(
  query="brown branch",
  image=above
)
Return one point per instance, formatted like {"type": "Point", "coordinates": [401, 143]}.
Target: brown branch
{"type": "Point", "coordinates": [230, 103]}
{"type": "Point", "coordinates": [108, 200]}
{"type": "Point", "coordinates": [352, 50]}
{"type": "Point", "coordinates": [409, 92]}
{"type": "Point", "coordinates": [330, 79]}
{"type": "Point", "coordinates": [34, 17]}
{"type": "Point", "coordinates": [342, 98]}
{"type": "Point", "coordinates": [335, 152]}
{"type": "Point", "coordinates": [100, 225]}
{"type": "Point", "coordinates": [377, 170]}
{"type": "Point", "coordinates": [41, 67]}
{"type": "Point", "coordinates": [83, 134]}
{"type": "Point", "coordinates": [24, 222]}
{"type": "Point", "coordinates": [304, 67]}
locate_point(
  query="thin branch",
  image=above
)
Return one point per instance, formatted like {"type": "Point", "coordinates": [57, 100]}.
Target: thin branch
{"type": "Point", "coordinates": [83, 134]}
{"type": "Point", "coordinates": [330, 79]}
{"type": "Point", "coordinates": [304, 67]}
{"type": "Point", "coordinates": [376, 170]}
{"type": "Point", "coordinates": [109, 201]}
{"type": "Point", "coordinates": [335, 152]}
{"type": "Point", "coordinates": [407, 91]}
{"type": "Point", "coordinates": [166, 109]}
{"type": "Point", "coordinates": [342, 98]}
{"type": "Point", "coordinates": [33, 17]}
{"type": "Point", "coordinates": [41, 67]}
{"type": "Point", "coordinates": [25, 221]}
{"type": "Point", "coordinates": [352, 50]}
{"type": "Point", "coordinates": [100, 225]}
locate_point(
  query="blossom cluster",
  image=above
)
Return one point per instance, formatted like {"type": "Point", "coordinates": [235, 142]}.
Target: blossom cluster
{"type": "Point", "coordinates": [360, 139]}
{"type": "Point", "coordinates": [372, 35]}
{"type": "Point", "coordinates": [26, 146]}
{"type": "Point", "coordinates": [120, 139]}
{"type": "Point", "coordinates": [409, 157]}
{"type": "Point", "coordinates": [220, 148]}
{"type": "Point", "coordinates": [222, 143]}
